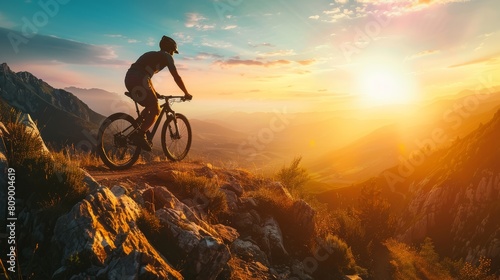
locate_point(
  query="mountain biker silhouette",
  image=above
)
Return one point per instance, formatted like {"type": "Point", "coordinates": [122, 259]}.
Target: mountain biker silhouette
{"type": "Point", "coordinates": [138, 83]}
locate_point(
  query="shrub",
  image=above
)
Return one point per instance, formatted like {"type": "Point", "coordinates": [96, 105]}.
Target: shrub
{"type": "Point", "coordinates": [375, 215]}
{"type": "Point", "coordinates": [149, 224]}
{"type": "Point", "coordinates": [203, 190]}
{"type": "Point", "coordinates": [82, 158]}
{"type": "Point", "coordinates": [341, 256]}
{"type": "Point", "coordinates": [21, 145]}
{"type": "Point", "coordinates": [408, 263]}
{"type": "Point", "coordinates": [50, 179]}
{"type": "Point", "coordinates": [481, 271]}
{"type": "Point", "coordinates": [8, 114]}
{"type": "Point", "coordinates": [294, 176]}
{"type": "Point", "coordinates": [273, 202]}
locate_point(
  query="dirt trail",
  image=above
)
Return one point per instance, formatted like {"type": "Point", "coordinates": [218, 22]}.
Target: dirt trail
{"type": "Point", "coordinates": [139, 173]}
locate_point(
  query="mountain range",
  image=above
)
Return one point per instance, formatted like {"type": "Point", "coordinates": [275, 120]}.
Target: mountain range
{"type": "Point", "coordinates": [63, 119]}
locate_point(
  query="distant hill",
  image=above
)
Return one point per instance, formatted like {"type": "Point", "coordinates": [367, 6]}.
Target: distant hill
{"type": "Point", "coordinates": [385, 146]}
{"type": "Point", "coordinates": [102, 101]}
{"type": "Point", "coordinates": [63, 119]}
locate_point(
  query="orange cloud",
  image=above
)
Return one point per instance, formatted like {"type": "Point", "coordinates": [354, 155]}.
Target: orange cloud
{"type": "Point", "coordinates": [250, 62]}
{"type": "Point", "coordinates": [306, 62]}
{"type": "Point", "coordinates": [482, 60]}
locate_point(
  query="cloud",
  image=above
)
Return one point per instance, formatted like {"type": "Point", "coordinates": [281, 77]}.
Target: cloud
{"type": "Point", "coordinates": [237, 61]}
{"type": "Point", "coordinates": [260, 45]}
{"type": "Point", "coordinates": [216, 44]}
{"type": "Point", "coordinates": [5, 22]}
{"type": "Point", "coordinates": [334, 11]}
{"type": "Point", "coordinates": [229, 27]}
{"type": "Point", "coordinates": [250, 62]}
{"type": "Point", "coordinates": [195, 20]}
{"type": "Point", "coordinates": [277, 53]}
{"type": "Point", "coordinates": [182, 38]}
{"type": "Point", "coordinates": [492, 59]}
{"type": "Point", "coordinates": [314, 17]}
{"type": "Point", "coordinates": [40, 48]}
{"type": "Point", "coordinates": [392, 8]}
{"type": "Point", "coordinates": [205, 56]}
{"type": "Point", "coordinates": [306, 62]}
{"type": "Point", "coordinates": [422, 53]}
{"type": "Point", "coordinates": [151, 41]}
{"type": "Point", "coordinates": [119, 36]}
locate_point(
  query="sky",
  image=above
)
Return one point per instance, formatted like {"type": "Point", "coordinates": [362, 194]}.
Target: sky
{"type": "Point", "coordinates": [258, 55]}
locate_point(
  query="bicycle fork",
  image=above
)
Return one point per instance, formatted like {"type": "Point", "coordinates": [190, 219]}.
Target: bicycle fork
{"type": "Point", "coordinates": [174, 134]}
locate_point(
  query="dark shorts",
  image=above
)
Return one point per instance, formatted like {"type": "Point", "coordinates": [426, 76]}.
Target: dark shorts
{"type": "Point", "coordinates": [138, 83]}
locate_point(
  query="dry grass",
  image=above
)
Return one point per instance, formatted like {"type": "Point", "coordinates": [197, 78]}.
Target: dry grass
{"type": "Point", "coordinates": [204, 190]}
{"type": "Point", "coordinates": [408, 264]}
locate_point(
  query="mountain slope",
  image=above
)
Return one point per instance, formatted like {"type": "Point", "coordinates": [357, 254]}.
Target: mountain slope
{"type": "Point", "coordinates": [455, 198]}
{"type": "Point", "coordinates": [62, 117]}
{"type": "Point", "coordinates": [451, 195]}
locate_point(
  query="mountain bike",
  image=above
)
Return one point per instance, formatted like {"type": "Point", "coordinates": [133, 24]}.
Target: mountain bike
{"type": "Point", "coordinates": [118, 151]}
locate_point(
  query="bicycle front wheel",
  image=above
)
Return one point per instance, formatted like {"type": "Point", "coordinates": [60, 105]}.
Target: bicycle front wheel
{"type": "Point", "coordinates": [176, 140]}
{"type": "Point", "coordinates": [114, 147]}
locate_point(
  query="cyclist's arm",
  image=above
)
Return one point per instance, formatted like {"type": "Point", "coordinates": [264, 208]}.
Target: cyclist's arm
{"type": "Point", "coordinates": [175, 75]}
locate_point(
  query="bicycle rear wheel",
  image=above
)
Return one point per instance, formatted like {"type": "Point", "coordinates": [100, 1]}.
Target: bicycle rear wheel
{"type": "Point", "coordinates": [176, 142]}
{"type": "Point", "coordinates": [114, 147]}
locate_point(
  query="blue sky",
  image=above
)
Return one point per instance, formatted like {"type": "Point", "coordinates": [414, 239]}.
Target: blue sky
{"type": "Point", "coordinates": [307, 53]}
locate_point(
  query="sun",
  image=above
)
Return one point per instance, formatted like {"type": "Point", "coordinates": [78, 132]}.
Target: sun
{"type": "Point", "coordinates": [384, 86]}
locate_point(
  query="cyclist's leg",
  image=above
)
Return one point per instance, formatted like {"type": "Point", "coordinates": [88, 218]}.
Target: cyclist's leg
{"type": "Point", "coordinates": [151, 108]}
{"type": "Point", "coordinates": [149, 115]}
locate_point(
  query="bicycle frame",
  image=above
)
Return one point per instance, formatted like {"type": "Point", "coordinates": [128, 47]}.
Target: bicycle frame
{"type": "Point", "coordinates": [165, 110]}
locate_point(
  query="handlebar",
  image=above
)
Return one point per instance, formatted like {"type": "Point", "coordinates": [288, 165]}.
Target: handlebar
{"type": "Point", "coordinates": [167, 97]}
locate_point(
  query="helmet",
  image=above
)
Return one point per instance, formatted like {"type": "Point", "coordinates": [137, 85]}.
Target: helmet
{"type": "Point", "coordinates": [167, 43]}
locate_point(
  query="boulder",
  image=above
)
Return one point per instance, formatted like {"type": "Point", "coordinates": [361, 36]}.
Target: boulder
{"type": "Point", "coordinates": [249, 251]}
{"type": "Point", "coordinates": [199, 245]}
{"type": "Point", "coordinates": [99, 236]}
{"type": "Point", "coordinates": [232, 199]}
{"type": "Point", "coordinates": [234, 186]}
{"type": "Point", "coordinates": [227, 233]}
{"type": "Point", "coordinates": [303, 217]}
{"type": "Point", "coordinates": [204, 253]}
{"type": "Point", "coordinates": [272, 241]}
{"type": "Point", "coordinates": [26, 120]}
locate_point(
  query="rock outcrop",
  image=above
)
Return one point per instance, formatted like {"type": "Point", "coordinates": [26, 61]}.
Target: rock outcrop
{"type": "Point", "coordinates": [99, 238]}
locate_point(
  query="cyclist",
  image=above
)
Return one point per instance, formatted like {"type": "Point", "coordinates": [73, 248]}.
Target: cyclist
{"type": "Point", "coordinates": [138, 83]}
